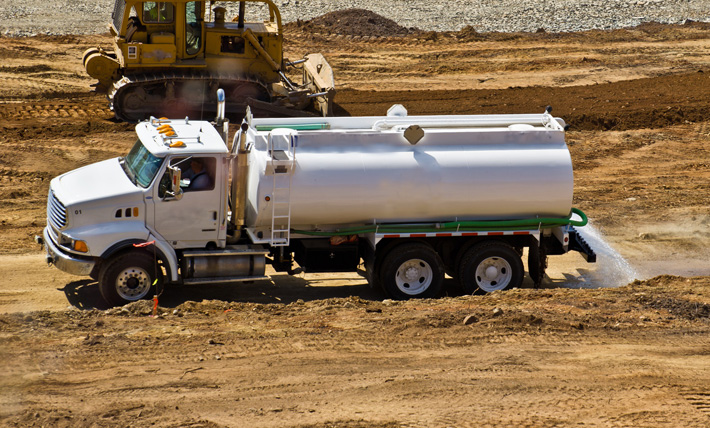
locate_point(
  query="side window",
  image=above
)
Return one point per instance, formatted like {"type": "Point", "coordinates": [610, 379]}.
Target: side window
{"type": "Point", "coordinates": [158, 12]}
{"type": "Point", "coordinates": [193, 18]}
{"type": "Point", "coordinates": [197, 173]}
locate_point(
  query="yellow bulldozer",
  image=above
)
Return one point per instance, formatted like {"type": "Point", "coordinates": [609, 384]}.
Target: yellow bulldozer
{"type": "Point", "coordinates": [169, 58]}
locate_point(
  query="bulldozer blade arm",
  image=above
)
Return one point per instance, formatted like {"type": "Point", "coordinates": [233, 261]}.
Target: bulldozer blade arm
{"type": "Point", "coordinates": [265, 109]}
{"type": "Point", "coordinates": [318, 76]}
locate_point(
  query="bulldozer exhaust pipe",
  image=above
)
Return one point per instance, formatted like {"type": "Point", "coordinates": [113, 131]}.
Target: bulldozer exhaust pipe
{"type": "Point", "coordinates": [242, 9]}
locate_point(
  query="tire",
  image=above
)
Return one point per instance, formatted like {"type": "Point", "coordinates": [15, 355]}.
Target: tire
{"type": "Point", "coordinates": [412, 270]}
{"type": "Point", "coordinates": [128, 278]}
{"type": "Point", "coordinates": [490, 266]}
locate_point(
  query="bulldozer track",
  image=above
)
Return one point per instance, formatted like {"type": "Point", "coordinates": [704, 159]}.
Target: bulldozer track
{"type": "Point", "coordinates": [146, 80]}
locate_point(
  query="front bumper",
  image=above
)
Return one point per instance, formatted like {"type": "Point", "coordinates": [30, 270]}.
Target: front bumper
{"type": "Point", "coordinates": [65, 261]}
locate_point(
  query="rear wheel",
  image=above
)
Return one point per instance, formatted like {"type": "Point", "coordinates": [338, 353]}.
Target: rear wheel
{"type": "Point", "coordinates": [129, 277]}
{"type": "Point", "coordinates": [489, 267]}
{"type": "Point", "coordinates": [412, 270]}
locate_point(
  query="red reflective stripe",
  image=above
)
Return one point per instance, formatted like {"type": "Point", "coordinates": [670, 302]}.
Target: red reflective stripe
{"type": "Point", "coordinates": [418, 235]}
{"type": "Point", "coordinates": [391, 236]}
{"type": "Point", "coordinates": [443, 234]}
{"type": "Point", "coordinates": [496, 233]}
{"type": "Point", "coordinates": [469, 234]}
{"type": "Point", "coordinates": [521, 233]}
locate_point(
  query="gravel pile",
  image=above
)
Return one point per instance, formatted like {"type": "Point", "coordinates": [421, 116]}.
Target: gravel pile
{"type": "Point", "coordinates": [31, 17]}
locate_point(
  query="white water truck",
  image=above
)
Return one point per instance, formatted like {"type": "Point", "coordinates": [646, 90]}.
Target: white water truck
{"type": "Point", "coordinates": [403, 200]}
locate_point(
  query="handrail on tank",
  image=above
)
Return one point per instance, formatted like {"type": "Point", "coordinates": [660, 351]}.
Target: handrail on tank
{"type": "Point", "coordinates": [465, 122]}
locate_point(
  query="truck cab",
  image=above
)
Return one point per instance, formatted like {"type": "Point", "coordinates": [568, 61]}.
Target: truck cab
{"type": "Point", "coordinates": [101, 212]}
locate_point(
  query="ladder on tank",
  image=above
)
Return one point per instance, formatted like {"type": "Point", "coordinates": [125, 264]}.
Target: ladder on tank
{"type": "Point", "coordinates": [281, 161]}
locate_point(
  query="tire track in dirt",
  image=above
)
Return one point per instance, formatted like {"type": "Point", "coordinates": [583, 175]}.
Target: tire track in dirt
{"type": "Point", "coordinates": [699, 399]}
{"type": "Point", "coordinates": [20, 174]}
{"type": "Point", "coordinates": [52, 110]}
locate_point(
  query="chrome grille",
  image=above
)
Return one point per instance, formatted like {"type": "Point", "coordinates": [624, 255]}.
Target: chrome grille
{"type": "Point", "coordinates": [56, 213]}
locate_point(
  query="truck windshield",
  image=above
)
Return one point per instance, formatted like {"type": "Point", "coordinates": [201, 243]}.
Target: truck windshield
{"type": "Point", "coordinates": [141, 165]}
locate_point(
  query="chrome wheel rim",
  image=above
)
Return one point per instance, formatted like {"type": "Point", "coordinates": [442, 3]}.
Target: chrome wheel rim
{"type": "Point", "coordinates": [493, 273]}
{"type": "Point", "coordinates": [414, 277]}
{"type": "Point", "coordinates": [133, 283]}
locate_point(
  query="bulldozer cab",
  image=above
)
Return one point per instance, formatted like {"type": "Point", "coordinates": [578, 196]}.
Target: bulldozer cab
{"type": "Point", "coordinates": [169, 57]}
{"type": "Point", "coordinates": [154, 33]}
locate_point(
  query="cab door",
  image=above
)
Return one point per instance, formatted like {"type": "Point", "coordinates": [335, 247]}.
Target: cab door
{"type": "Point", "coordinates": [191, 221]}
{"type": "Point", "coordinates": [194, 12]}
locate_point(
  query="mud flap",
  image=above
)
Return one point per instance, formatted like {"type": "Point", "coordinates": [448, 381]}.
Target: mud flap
{"type": "Point", "coordinates": [537, 263]}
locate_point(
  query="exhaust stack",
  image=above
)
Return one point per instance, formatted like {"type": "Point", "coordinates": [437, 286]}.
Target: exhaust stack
{"type": "Point", "coordinates": [220, 121]}
{"type": "Point", "coordinates": [239, 177]}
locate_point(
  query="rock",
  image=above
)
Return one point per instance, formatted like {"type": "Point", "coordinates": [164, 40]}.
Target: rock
{"type": "Point", "coordinates": [470, 319]}
{"type": "Point", "coordinates": [497, 312]}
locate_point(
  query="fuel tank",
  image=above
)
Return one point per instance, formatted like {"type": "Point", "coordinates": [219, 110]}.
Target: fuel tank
{"type": "Point", "coordinates": [359, 171]}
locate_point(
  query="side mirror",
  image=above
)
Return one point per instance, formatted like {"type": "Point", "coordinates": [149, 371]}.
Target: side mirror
{"type": "Point", "coordinates": [175, 191]}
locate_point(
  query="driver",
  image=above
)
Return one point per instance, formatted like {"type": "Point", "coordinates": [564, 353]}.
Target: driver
{"type": "Point", "coordinates": [199, 179]}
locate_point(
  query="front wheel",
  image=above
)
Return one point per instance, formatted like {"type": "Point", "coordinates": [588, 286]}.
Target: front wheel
{"type": "Point", "coordinates": [128, 278]}
{"type": "Point", "coordinates": [412, 270]}
{"type": "Point", "coordinates": [490, 266]}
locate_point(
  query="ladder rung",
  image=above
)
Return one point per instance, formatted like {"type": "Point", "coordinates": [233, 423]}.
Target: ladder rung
{"type": "Point", "coordinates": [281, 202]}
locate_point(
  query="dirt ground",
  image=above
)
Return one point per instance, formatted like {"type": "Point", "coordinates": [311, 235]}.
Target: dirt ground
{"type": "Point", "coordinates": [588, 349]}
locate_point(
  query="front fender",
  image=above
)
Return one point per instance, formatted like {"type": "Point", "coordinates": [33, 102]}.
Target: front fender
{"type": "Point", "coordinates": [164, 252]}
{"type": "Point", "coordinates": [102, 237]}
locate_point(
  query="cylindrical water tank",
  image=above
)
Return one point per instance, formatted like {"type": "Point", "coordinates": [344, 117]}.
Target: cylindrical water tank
{"type": "Point", "coordinates": [345, 177]}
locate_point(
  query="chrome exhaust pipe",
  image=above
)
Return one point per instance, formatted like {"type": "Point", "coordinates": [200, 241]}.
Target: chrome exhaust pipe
{"type": "Point", "coordinates": [220, 121]}
{"type": "Point", "coordinates": [221, 103]}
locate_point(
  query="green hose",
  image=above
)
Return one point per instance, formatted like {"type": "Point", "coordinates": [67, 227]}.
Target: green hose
{"type": "Point", "coordinates": [456, 226]}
